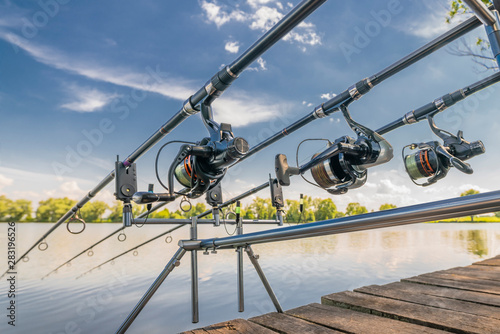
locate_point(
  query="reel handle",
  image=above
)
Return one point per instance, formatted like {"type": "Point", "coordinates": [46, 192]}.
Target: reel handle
{"type": "Point", "coordinates": [456, 162]}
{"type": "Point", "coordinates": [461, 166]}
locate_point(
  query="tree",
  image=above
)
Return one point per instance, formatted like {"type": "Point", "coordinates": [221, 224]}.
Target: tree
{"type": "Point", "coordinates": [263, 208]}
{"type": "Point", "coordinates": [292, 208]}
{"type": "Point", "coordinates": [93, 211]}
{"type": "Point", "coordinates": [468, 193]}
{"type": "Point", "coordinates": [116, 212]}
{"type": "Point", "coordinates": [326, 209]}
{"type": "Point", "coordinates": [480, 52]}
{"type": "Point", "coordinates": [387, 206]}
{"type": "Point", "coordinates": [164, 214]}
{"type": "Point", "coordinates": [355, 209]}
{"type": "Point", "coordinates": [52, 209]}
{"type": "Point", "coordinates": [17, 210]}
{"type": "Point", "coordinates": [21, 210]}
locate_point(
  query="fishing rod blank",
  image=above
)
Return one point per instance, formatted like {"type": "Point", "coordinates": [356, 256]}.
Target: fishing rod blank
{"type": "Point", "coordinates": [362, 87]}
{"type": "Point", "coordinates": [215, 86]}
{"type": "Point", "coordinates": [440, 104]}
{"type": "Point", "coordinates": [153, 209]}
{"type": "Point", "coordinates": [342, 165]}
{"type": "Point", "coordinates": [133, 248]}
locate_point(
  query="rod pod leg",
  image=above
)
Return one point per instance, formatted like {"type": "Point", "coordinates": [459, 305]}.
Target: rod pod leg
{"type": "Point", "coordinates": [194, 273]}
{"type": "Point", "coordinates": [174, 262]}
{"type": "Point", "coordinates": [254, 259]}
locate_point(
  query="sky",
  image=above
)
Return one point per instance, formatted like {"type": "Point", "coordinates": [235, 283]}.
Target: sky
{"type": "Point", "coordinates": [83, 82]}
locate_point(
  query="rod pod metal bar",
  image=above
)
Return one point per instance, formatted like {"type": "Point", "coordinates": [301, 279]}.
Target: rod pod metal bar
{"type": "Point", "coordinates": [239, 262]}
{"type": "Point", "coordinates": [174, 262]}
{"type": "Point", "coordinates": [194, 274]}
{"type": "Point", "coordinates": [255, 261]}
{"type": "Point", "coordinates": [183, 222]}
{"type": "Point", "coordinates": [216, 85]}
{"type": "Point", "coordinates": [449, 208]}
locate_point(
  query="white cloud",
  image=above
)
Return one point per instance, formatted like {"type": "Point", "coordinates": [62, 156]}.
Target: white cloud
{"type": "Point", "coordinates": [251, 110]}
{"type": "Point", "coordinates": [151, 79]}
{"type": "Point", "coordinates": [220, 16]}
{"type": "Point", "coordinates": [257, 3]}
{"type": "Point", "coordinates": [232, 47]}
{"type": "Point", "coordinates": [265, 18]}
{"type": "Point", "coordinates": [88, 99]}
{"type": "Point", "coordinates": [328, 96]}
{"type": "Point", "coordinates": [432, 21]}
{"type": "Point", "coordinates": [244, 109]}
{"type": "Point", "coordinates": [261, 15]}
{"type": "Point", "coordinates": [5, 181]}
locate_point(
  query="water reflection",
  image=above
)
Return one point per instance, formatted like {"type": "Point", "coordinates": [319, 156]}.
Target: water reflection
{"type": "Point", "coordinates": [300, 271]}
{"type": "Point", "coordinates": [475, 241]}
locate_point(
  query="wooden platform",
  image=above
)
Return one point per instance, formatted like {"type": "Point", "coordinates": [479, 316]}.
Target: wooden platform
{"type": "Point", "coordinates": [457, 300]}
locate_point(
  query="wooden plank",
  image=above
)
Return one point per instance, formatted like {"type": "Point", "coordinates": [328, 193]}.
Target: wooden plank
{"type": "Point", "coordinates": [423, 315]}
{"type": "Point", "coordinates": [356, 322]}
{"type": "Point", "coordinates": [284, 323]}
{"type": "Point", "coordinates": [427, 300]}
{"type": "Point", "coordinates": [482, 268]}
{"type": "Point", "coordinates": [473, 273]}
{"type": "Point", "coordinates": [490, 262]}
{"type": "Point", "coordinates": [452, 284]}
{"type": "Point", "coordinates": [493, 285]}
{"type": "Point", "coordinates": [236, 326]}
{"type": "Point", "coordinates": [471, 296]}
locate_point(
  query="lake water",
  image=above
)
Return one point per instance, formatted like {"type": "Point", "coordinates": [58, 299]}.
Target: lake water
{"type": "Point", "coordinates": [299, 271]}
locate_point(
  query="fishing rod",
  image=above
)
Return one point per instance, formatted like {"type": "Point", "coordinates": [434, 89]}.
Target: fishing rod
{"type": "Point", "coordinates": [132, 249]}
{"type": "Point", "coordinates": [330, 105]}
{"type": "Point", "coordinates": [184, 222]}
{"type": "Point", "coordinates": [89, 250]}
{"type": "Point", "coordinates": [362, 87]}
{"type": "Point", "coordinates": [213, 88]}
{"type": "Point", "coordinates": [190, 168]}
{"type": "Point", "coordinates": [344, 164]}
{"type": "Point", "coordinates": [396, 67]}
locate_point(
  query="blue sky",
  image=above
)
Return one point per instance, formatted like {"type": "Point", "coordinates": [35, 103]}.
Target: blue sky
{"type": "Point", "coordinates": [82, 82]}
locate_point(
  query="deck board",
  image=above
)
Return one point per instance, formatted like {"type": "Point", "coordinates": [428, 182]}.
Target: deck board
{"type": "Point", "coordinates": [432, 301]}
{"type": "Point", "coordinates": [418, 314]}
{"type": "Point", "coordinates": [459, 300]}
{"type": "Point", "coordinates": [285, 323]}
{"type": "Point", "coordinates": [355, 322]}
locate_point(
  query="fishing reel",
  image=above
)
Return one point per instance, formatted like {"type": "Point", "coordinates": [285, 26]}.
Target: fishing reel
{"type": "Point", "coordinates": [433, 160]}
{"type": "Point", "coordinates": [202, 166]}
{"type": "Point", "coordinates": [343, 165]}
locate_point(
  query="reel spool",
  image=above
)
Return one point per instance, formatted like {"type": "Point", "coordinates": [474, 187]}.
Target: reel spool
{"type": "Point", "coordinates": [421, 164]}
{"type": "Point", "coordinates": [338, 172]}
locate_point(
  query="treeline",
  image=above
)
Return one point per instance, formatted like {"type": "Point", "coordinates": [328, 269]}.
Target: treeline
{"type": "Point", "coordinates": [52, 209]}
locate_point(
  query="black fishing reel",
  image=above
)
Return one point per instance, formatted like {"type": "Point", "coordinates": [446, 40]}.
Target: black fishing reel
{"type": "Point", "coordinates": [343, 165]}
{"type": "Point", "coordinates": [433, 160]}
{"type": "Point", "coordinates": [202, 166]}
{"type": "Point", "coordinates": [348, 169]}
